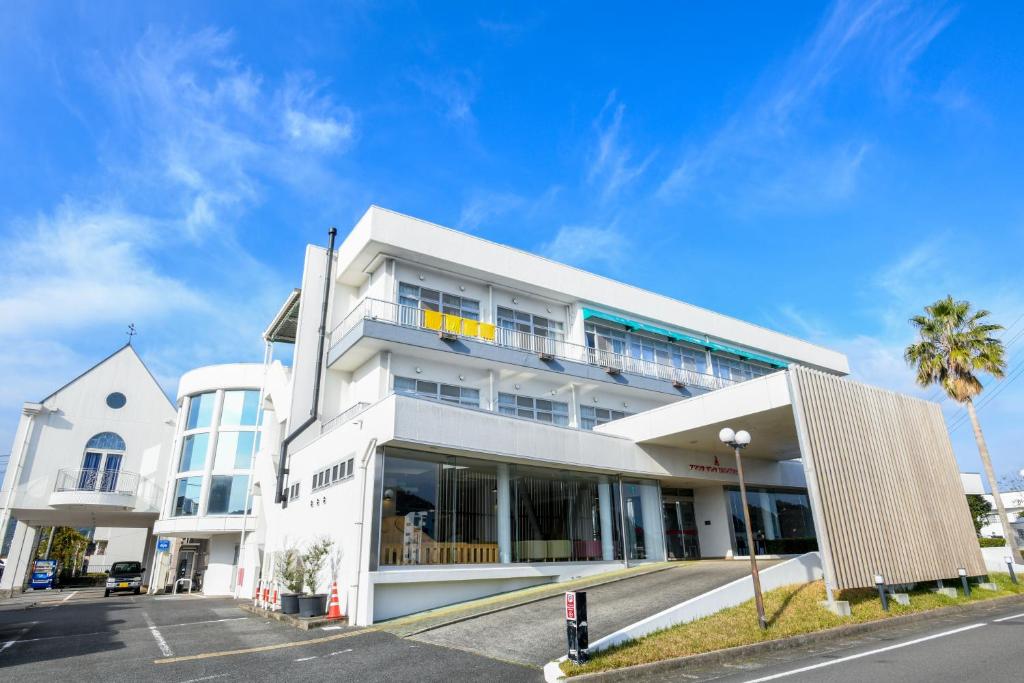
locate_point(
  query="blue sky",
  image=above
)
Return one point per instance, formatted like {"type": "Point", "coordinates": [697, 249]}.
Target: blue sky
{"type": "Point", "coordinates": [822, 169]}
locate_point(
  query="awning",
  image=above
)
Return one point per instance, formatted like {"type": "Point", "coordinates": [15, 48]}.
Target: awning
{"type": "Point", "coordinates": [683, 337]}
{"type": "Point", "coordinates": [284, 326]}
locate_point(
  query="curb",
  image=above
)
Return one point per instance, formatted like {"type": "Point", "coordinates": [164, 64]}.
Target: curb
{"type": "Point", "coordinates": [296, 622]}
{"type": "Point", "coordinates": [630, 673]}
{"type": "Point", "coordinates": [502, 608]}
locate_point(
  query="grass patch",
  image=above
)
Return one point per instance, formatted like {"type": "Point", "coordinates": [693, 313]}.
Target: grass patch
{"type": "Point", "coordinates": [791, 611]}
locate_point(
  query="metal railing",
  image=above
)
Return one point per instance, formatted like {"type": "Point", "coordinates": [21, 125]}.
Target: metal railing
{"type": "Point", "coordinates": [547, 347]}
{"type": "Point", "coordinates": [103, 481]}
{"type": "Point", "coordinates": [343, 417]}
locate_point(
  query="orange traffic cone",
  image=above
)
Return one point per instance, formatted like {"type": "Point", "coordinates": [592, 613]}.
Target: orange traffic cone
{"type": "Point", "coordinates": [334, 607]}
{"type": "Point", "coordinates": [266, 596]}
{"type": "Point", "coordinates": [256, 594]}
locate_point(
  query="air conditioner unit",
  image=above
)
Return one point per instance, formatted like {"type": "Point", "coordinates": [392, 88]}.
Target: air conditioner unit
{"type": "Point", "coordinates": [546, 355]}
{"type": "Point", "coordinates": [447, 335]}
{"type": "Point", "coordinates": [678, 384]}
{"type": "Point", "coordinates": [612, 370]}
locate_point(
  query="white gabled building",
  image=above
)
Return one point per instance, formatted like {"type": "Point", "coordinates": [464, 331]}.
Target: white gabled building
{"type": "Point", "coordinates": [91, 454]}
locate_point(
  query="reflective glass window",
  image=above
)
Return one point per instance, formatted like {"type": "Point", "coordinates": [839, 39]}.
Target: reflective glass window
{"type": "Point", "coordinates": [200, 411]}
{"type": "Point", "coordinates": [240, 408]}
{"type": "Point", "coordinates": [228, 495]}
{"type": "Point", "coordinates": [186, 496]}
{"type": "Point", "coordinates": [193, 452]}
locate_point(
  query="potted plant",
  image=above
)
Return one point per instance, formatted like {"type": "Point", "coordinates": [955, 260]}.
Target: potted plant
{"type": "Point", "coordinates": [314, 604]}
{"type": "Point", "coordinates": [288, 567]}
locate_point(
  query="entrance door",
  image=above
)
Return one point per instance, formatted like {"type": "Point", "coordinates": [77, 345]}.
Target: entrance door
{"type": "Point", "coordinates": [680, 528]}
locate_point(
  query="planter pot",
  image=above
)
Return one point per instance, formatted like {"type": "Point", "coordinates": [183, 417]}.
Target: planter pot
{"type": "Point", "coordinates": [289, 603]}
{"type": "Point", "coordinates": [313, 605]}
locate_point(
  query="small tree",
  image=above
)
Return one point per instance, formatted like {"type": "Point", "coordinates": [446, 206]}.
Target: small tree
{"type": "Point", "coordinates": [313, 562]}
{"type": "Point", "coordinates": [288, 567]}
{"type": "Point", "coordinates": [980, 510]}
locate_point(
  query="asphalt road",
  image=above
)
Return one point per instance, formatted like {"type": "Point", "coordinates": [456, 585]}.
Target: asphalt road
{"type": "Point", "coordinates": [534, 634]}
{"type": "Point", "coordinates": [83, 637]}
{"type": "Point", "coordinates": [981, 646]}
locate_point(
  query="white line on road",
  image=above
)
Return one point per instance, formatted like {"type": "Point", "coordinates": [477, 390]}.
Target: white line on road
{"type": "Point", "coordinates": [305, 659]}
{"type": "Point", "coordinates": [16, 637]}
{"type": "Point", "coordinates": [71, 595]}
{"type": "Point", "coordinates": [330, 628]}
{"type": "Point", "coordinates": [866, 654]}
{"type": "Point", "coordinates": [339, 652]}
{"type": "Point", "coordinates": [1015, 616]}
{"type": "Point", "coordinates": [165, 649]}
{"type": "Point", "coordinates": [205, 678]}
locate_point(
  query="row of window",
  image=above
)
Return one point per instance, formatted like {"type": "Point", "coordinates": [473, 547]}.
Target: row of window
{"type": "Point", "coordinates": [229, 495]}
{"type": "Point", "coordinates": [293, 491]}
{"type": "Point", "coordinates": [528, 407]}
{"type": "Point", "coordinates": [425, 299]}
{"type": "Point", "coordinates": [333, 474]}
{"type": "Point", "coordinates": [239, 409]}
{"type": "Point", "coordinates": [234, 451]}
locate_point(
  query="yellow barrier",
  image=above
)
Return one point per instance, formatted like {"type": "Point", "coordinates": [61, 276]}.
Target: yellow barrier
{"type": "Point", "coordinates": [432, 320]}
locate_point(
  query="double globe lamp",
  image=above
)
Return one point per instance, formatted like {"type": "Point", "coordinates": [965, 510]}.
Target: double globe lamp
{"type": "Point", "coordinates": [738, 441]}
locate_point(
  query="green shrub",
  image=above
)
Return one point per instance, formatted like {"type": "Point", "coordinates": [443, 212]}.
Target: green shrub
{"type": "Point", "coordinates": [991, 542]}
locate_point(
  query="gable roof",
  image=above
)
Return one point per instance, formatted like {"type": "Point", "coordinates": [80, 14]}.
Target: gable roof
{"type": "Point", "coordinates": [127, 347]}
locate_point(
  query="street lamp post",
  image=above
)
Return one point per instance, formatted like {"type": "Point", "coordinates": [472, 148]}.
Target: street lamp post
{"type": "Point", "coordinates": [739, 440]}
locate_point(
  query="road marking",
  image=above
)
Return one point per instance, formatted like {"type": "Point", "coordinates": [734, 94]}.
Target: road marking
{"type": "Point", "coordinates": [73, 594]}
{"type": "Point", "coordinates": [205, 678]}
{"type": "Point", "coordinates": [207, 621]}
{"type": "Point", "coordinates": [165, 649]}
{"type": "Point", "coordinates": [339, 652]}
{"type": "Point", "coordinates": [866, 654]}
{"type": "Point", "coordinates": [305, 659]}
{"type": "Point", "coordinates": [265, 648]}
{"type": "Point", "coordinates": [1015, 616]}
{"type": "Point", "coordinates": [330, 628]}
{"type": "Point", "coordinates": [16, 637]}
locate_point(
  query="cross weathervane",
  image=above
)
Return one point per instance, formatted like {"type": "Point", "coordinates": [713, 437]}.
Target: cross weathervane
{"type": "Point", "coordinates": [131, 332]}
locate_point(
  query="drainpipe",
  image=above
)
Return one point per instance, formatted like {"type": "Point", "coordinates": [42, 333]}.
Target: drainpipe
{"type": "Point", "coordinates": [354, 612]}
{"type": "Point", "coordinates": [281, 470]}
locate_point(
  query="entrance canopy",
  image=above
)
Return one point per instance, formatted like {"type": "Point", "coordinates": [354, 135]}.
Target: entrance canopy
{"type": "Point", "coordinates": [761, 406]}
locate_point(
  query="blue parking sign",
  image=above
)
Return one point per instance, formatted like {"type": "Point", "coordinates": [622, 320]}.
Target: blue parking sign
{"type": "Point", "coordinates": [163, 545]}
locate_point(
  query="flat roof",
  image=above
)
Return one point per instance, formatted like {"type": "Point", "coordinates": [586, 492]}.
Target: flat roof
{"type": "Point", "coordinates": [382, 232]}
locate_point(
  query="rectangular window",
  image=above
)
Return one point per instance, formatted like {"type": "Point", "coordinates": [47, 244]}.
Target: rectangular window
{"type": "Point", "coordinates": [539, 409]}
{"type": "Point", "coordinates": [608, 340]}
{"type": "Point", "coordinates": [193, 452]}
{"type": "Point", "coordinates": [200, 411]}
{"type": "Point", "coordinates": [332, 475]}
{"type": "Point", "coordinates": [520, 321]}
{"type": "Point", "coordinates": [186, 496]}
{"type": "Point", "coordinates": [240, 408]}
{"type": "Point", "coordinates": [737, 370]}
{"type": "Point", "coordinates": [228, 495]}
{"type": "Point", "coordinates": [780, 520]}
{"type": "Point", "coordinates": [448, 393]}
{"type": "Point", "coordinates": [234, 451]}
{"type": "Point", "coordinates": [591, 416]}
{"type": "Point", "coordinates": [425, 299]}
{"type": "Point", "coordinates": [293, 491]}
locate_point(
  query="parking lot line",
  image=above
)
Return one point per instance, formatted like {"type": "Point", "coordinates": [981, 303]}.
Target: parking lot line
{"type": "Point", "coordinates": [264, 648]}
{"type": "Point", "coordinates": [16, 637]}
{"type": "Point", "coordinates": [165, 649]}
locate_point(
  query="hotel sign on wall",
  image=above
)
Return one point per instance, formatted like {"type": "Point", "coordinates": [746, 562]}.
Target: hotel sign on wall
{"type": "Point", "coordinates": [716, 468]}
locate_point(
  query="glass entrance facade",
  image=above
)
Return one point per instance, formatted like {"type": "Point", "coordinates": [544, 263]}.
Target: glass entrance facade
{"type": "Point", "coordinates": [680, 524]}
{"type": "Point", "coordinates": [779, 518]}
{"type": "Point", "coordinates": [447, 510]}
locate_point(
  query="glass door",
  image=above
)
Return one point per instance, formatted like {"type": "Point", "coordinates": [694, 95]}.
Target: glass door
{"type": "Point", "coordinates": [111, 466]}
{"type": "Point", "coordinates": [680, 529]}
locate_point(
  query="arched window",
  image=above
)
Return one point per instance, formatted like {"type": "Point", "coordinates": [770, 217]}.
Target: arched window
{"type": "Point", "coordinates": [102, 462]}
{"type": "Point", "coordinates": [107, 441]}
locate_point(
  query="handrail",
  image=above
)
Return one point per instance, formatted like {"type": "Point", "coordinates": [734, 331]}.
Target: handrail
{"type": "Point", "coordinates": [103, 481]}
{"type": "Point", "coordinates": [445, 324]}
{"type": "Point", "coordinates": [343, 417]}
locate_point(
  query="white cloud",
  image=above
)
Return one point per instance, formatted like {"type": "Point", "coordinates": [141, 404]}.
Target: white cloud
{"type": "Point", "coordinates": [764, 156]}
{"type": "Point", "coordinates": [582, 245]}
{"type": "Point", "coordinates": [454, 89]}
{"type": "Point", "coordinates": [485, 206]}
{"type": "Point", "coordinates": [312, 121]}
{"type": "Point", "coordinates": [612, 165]}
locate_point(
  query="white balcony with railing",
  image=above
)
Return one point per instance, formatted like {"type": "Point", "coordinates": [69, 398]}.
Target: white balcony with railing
{"type": "Point", "coordinates": [103, 489]}
{"type": "Point", "coordinates": [548, 348]}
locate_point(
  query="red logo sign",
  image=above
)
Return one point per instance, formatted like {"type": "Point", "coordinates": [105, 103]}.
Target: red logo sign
{"type": "Point", "coordinates": [570, 606]}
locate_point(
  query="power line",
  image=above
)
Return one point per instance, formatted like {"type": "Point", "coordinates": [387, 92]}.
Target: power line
{"type": "Point", "coordinates": [1008, 380]}
{"type": "Point", "coordinates": [940, 394]}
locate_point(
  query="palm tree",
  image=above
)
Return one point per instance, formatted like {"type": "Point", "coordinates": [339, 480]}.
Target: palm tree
{"type": "Point", "coordinates": [955, 343]}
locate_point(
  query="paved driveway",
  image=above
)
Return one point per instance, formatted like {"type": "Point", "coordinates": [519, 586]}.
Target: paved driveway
{"type": "Point", "coordinates": [52, 637]}
{"type": "Point", "coordinates": [534, 634]}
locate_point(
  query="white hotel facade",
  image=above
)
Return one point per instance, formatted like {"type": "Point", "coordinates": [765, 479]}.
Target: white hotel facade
{"type": "Point", "coordinates": [462, 418]}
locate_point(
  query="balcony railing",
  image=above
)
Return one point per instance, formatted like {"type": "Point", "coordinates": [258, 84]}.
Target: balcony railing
{"type": "Point", "coordinates": [343, 417]}
{"type": "Point", "coordinates": [452, 326]}
{"type": "Point", "coordinates": [101, 481]}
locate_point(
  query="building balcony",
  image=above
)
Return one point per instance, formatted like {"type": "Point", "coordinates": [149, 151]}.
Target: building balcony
{"type": "Point", "coordinates": [388, 321]}
{"type": "Point", "coordinates": [95, 489]}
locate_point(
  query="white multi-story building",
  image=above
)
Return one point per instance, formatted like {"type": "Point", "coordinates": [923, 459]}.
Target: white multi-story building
{"type": "Point", "coordinates": [463, 441]}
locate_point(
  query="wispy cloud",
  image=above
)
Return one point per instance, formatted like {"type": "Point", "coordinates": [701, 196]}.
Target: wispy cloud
{"type": "Point", "coordinates": [612, 166]}
{"type": "Point", "coordinates": [588, 246]}
{"type": "Point", "coordinates": [764, 155]}
{"type": "Point", "coordinates": [454, 90]}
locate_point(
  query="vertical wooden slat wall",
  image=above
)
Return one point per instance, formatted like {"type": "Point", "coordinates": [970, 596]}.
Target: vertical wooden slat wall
{"type": "Point", "coordinates": [888, 481]}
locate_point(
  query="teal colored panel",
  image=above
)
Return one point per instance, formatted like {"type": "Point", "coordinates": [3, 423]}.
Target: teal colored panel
{"type": "Point", "coordinates": [680, 336]}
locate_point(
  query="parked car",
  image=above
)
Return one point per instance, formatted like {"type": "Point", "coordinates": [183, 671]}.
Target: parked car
{"type": "Point", "coordinates": [124, 577]}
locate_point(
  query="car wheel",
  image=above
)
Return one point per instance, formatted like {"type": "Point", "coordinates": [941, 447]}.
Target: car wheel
{"type": "Point", "coordinates": [106, 593]}
{"type": "Point", "coordinates": [138, 590]}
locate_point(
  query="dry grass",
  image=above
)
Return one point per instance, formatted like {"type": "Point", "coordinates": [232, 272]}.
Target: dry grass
{"type": "Point", "coordinates": [792, 610]}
